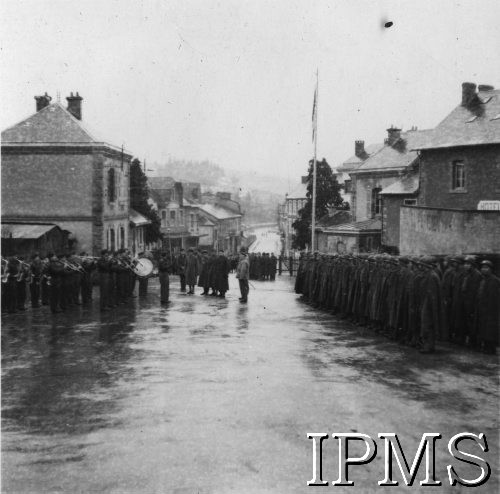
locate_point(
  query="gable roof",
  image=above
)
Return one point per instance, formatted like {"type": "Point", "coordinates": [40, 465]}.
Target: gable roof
{"type": "Point", "coordinates": [373, 225]}
{"type": "Point", "coordinates": [299, 192]}
{"type": "Point", "coordinates": [472, 125]}
{"type": "Point", "coordinates": [407, 185]}
{"type": "Point", "coordinates": [397, 156]}
{"type": "Point", "coordinates": [26, 230]}
{"type": "Point", "coordinates": [355, 161]}
{"type": "Point", "coordinates": [52, 126]}
{"type": "Point", "coordinates": [218, 212]}
{"type": "Point", "coordinates": [137, 219]}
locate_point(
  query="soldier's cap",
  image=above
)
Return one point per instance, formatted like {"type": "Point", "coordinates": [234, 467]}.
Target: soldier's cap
{"type": "Point", "coordinates": [204, 252]}
{"type": "Point", "coordinates": [486, 262]}
{"type": "Point", "coordinates": [470, 259]}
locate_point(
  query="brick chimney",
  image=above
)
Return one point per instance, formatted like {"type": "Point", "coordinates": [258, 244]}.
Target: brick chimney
{"type": "Point", "coordinates": [468, 93]}
{"type": "Point", "coordinates": [393, 134]}
{"type": "Point", "coordinates": [359, 149]}
{"type": "Point", "coordinates": [485, 87]}
{"type": "Point", "coordinates": [42, 101]}
{"type": "Point", "coordinates": [75, 105]}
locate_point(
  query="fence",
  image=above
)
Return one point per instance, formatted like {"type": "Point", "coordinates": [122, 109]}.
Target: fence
{"type": "Point", "coordinates": [289, 264]}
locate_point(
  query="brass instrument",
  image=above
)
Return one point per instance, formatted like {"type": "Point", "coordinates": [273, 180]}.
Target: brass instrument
{"type": "Point", "coordinates": [5, 274]}
{"type": "Point", "coordinates": [72, 267]}
{"type": "Point", "coordinates": [21, 272]}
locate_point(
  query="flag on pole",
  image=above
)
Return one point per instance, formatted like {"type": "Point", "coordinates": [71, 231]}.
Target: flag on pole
{"type": "Point", "coordinates": [314, 113]}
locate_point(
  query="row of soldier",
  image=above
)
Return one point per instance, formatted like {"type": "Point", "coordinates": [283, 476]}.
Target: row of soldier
{"type": "Point", "coordinates": [66, 280]}
{"type": "Point", "coordinates": [263, 266]}
{"type": "Point", "coordinates": [413, 300]}
{"type": "Point", "coordinates": [59, 281]}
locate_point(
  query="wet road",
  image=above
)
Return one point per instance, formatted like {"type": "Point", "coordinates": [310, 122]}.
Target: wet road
{"type": "Point", "coordinates": [268, 240]}
{"type": "Point", "coordinates": [211, 396]}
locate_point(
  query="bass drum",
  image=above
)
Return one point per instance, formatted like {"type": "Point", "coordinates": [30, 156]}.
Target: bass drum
{"type": "Point", "coordinates": [143, 267]}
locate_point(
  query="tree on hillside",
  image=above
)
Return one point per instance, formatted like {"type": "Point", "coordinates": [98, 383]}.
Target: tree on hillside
{"type": "Point", "coordinates": [327, 196]}
{"type": "Point", "coordinates": [139, 201]}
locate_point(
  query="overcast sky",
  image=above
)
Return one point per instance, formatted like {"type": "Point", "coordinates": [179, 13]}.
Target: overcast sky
{"type": "Point", "coordinates": [232, 81]}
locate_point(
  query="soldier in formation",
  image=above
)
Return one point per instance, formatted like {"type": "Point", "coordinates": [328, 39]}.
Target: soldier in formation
{"type": "Point", "coordinates": [263, 266]}
{"type": "Point", "coordinates": [413, 300]}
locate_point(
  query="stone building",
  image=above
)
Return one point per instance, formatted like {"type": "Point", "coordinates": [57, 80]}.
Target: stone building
{"type": "Point", "coordinates": [192, 219]}
{"type": "Point", "coordinates": [55, 171]}
{"type": "Point", "coordinates": [179, 228]}
{"type": "Point", "coordinates": [372, 171]}
{"type": "Point", "coordinates": [459, 178]}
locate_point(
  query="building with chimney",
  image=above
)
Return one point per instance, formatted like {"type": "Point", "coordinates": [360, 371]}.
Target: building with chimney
{"type": "Point", "coordinates": [457, 207]}
{"type": "Point", "coordinates": [192, 219]}
{"type": "Point", "coordinates": [56, 171]}
{"type": "Point", "coordinates": [371, 171]}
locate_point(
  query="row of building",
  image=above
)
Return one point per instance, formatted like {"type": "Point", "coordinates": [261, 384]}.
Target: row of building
{"type": "Point", "coordinates": [65, 188]}
{"type": "Point", "coordinates": [433, 191]}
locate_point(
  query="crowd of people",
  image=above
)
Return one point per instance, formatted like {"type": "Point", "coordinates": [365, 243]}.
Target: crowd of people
{"type": "Point", "coordinates": [263, 266]}
{"type": "Point", "coordinates": [414, 300]}
{"type": "Point", "coordinates": [66, 280]}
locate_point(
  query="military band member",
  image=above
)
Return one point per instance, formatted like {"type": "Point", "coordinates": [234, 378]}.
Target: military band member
{"type": "Point", "coordinates": [36, 278]}
{"type": "Point", "coordinates": [44, 283]}
{"type": "Point", "coordinates": [105, 280]}
{"type": "Point", "coordinates": [56, 271]}
{"type": "Point", "coordinates": [22, 276]}
{"type": "Point", "coordinates": [88, 266]}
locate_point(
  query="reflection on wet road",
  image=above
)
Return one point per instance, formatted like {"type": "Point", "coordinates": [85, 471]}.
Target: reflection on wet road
{"type": "Point", "coordinates": [208, 395]}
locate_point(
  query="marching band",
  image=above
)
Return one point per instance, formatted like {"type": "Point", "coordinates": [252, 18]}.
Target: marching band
{"type": "Point", "coordinates": [66, 280]}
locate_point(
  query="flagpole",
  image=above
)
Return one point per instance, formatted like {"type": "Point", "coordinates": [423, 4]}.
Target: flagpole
{"type": "Point", "coordinates": [315, 124]}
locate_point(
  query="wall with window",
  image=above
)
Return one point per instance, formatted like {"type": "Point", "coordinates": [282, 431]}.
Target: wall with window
{"type": "Point", "coordinates": [459, 178]}
{"type": "Point", "coordinates": [116, 235]}
{"type": "Point", "coordinates": [366, 199]}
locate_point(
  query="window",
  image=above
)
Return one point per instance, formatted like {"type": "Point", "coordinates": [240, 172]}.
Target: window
{"type": "Point", "coordinates": [111, 185]}
{"type": "Point", "coordinates": [112, 244]}
{"type": "Point", "coordinates": [348, 186]}
{"type": "Point", "coordinates": [376, 202]}
{"type": "Point", "coordinates": [458, 175]}
{"type": "Point", "coordinates": [181, 217]}
{"type": "Point", "coordinates": [122, 237]}
{"type": "Point", "coordinates": [410, 202]}
{"type": "Point", "coordinates": [191, 216]}
{"type": "Point", "coordinates": [172, 218]}
{"type": "Point", "coordinates": [163, 218]}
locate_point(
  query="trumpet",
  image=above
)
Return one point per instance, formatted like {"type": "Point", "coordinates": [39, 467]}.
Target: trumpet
{"type": "Point", "coordinates": [72, 267]}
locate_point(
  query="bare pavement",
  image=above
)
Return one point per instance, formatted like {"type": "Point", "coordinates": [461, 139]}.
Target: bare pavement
{"type": "Point", "coordinates": [213, 396]}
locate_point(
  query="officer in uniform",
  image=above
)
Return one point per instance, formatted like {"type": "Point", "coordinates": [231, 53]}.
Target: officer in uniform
{"type": "Point", "coordinates": [181, 269]}
{"type": "Point", "coordinates": [242, 274]}
{"type": "Point", "coordinates": [164, 269]}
